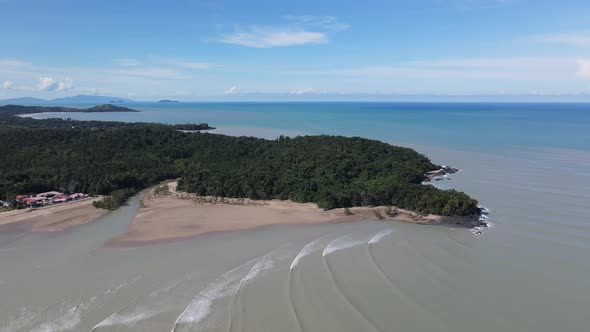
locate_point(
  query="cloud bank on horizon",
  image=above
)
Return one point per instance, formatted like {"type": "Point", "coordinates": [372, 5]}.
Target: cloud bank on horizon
{"type": "Point", "coordinates": [304, 50]}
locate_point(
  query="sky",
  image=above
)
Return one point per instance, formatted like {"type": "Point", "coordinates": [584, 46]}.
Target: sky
{"type": "Point", "coordinates": [295, 50]}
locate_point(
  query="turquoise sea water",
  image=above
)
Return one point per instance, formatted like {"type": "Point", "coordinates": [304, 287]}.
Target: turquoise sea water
{"type": "Point", "coordinates": [528, 163]}
{"type": "Point", "coordinates": [458, 125]}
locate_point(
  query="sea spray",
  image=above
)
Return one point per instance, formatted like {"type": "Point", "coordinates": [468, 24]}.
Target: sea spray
{"type": "Point", "coordinates": [264, 264]}
{"type": "Point", "coordinates": [483, 219]}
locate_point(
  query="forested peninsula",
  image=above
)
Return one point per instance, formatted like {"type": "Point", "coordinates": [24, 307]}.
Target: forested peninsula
{"type": "Point", "coordinates": [105, 157]}
{"type": "Point", "coordinates": [19, 109]}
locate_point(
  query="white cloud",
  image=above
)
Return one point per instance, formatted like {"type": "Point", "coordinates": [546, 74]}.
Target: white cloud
{"type": "Point", "coordinates": [233, 90]}
{"type": "Point", "coordinates": [191, 65]}
{"type": "Point", "coordinates": [302, 91]}
{"type": "Point", "coordinates": [7, 85]}
{"type": "Point", "coordinates": [151, 72]}
{"type": "Point", "coordinates": [128, 62]}
{"type": "Point", "coordinates": [266, 38]}
{"type": "Point", "coordinates": [584, 67]}
{"type": "Point", "coordinates": [297, 30]}
{"type": "Point", "coordinates": [463, 69]}
{"type": "Point", "coordinates": [577, 38]}
{"type": "Point", "coordinates": [47, 84]}
{"type": "Point", "coordinates": [65, 85]}
{"type": "Point", "coordinates": [330, 23]}
{"type": "Point", "coordinates": [51, 84]}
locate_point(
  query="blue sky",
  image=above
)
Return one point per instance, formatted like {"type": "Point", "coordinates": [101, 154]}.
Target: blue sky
{"type": "Point", "coordinates": [295, 50]}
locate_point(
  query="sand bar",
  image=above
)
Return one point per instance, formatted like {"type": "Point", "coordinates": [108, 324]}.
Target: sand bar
{"type": "Point", "coordinates": [176, 215]}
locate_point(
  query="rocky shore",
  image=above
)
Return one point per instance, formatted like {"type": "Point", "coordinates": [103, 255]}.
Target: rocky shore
{"type": "Point", "coordinates": [440, 173]}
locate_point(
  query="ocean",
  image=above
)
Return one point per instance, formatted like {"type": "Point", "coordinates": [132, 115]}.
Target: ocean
{"type": "Point", "coordinates": [528, 163]}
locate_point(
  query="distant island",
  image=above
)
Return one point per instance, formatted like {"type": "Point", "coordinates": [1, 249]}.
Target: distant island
{"type": "Point", "coordinates": [167, 101]}
{"type": "Point", "coordinates": [19, 109]}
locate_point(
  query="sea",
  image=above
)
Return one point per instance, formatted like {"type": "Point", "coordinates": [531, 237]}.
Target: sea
{"type": "Point", "coordinates": [528, 164]}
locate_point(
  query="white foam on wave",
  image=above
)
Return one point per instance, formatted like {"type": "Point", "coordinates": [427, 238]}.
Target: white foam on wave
{"type": "Point", "coordinates": [135, 313]}
{"type": "Point", "coordinates": [67, 321]}
{"type": "Point", "coordinates": [200, 307]}
{"type": "Point", "coordinates": [118, 319]}
{"type": "Point", "coordinates": [341, 243]}
{"type": "Point", "coordinates": [24, 318]}
{"type": "Point", "coordinates": [268, 262]}
{"type": "Point", "coordinates": [229, 284]}
{"type": "Point", "coordinates": [379, 236]}
{"type": "Point", "coordinates": [308, 250]}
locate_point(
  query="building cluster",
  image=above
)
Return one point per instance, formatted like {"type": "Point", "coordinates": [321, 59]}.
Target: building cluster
{"type": "Point", "coordinates": [49, 198]}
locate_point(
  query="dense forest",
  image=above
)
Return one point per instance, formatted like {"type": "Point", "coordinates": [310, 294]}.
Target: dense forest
{"type": "Point", "coordinates": [19, 109]}
{"type": "Point", "coordinates": [106, 157]}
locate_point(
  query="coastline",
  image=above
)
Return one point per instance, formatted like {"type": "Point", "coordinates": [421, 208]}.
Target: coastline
{"type": "Point", "coordinates": [176, 215]}
{"type": "Point", "coordinates": [56, 217]}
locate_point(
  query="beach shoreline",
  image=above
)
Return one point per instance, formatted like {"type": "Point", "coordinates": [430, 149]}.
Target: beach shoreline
{"type": "Point", "coordinates": [55, 217]}
{"type": "Point", "coordinates": [174, 215]}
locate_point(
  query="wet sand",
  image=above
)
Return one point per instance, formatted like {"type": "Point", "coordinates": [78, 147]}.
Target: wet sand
{"type": "Point", "coordinates": [55, 217]}
{"type": "Point", "coordinates": [177, 215]}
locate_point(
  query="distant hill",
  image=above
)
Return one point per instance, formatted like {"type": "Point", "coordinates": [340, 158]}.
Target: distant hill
{"type": "Point", "coordinates": [22, 100]}
{"type": "Point", "coordinates": [167, 101]}
{"type": "Point", "coordinates": [93, 99]}
{"type": "Point", "coordinates": [72, 99]}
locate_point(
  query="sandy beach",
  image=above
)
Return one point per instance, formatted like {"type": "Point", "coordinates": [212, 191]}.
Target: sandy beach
{"type": "Point", "coordinates": [55, 217]}
{"type": "Point", "coordinates": [176, 215]}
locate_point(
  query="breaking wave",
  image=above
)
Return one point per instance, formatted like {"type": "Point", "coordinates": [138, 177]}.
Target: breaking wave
{"type": "Point", "coordinates": [308, 249]}
{"type": "Point", "coordinates": [135, 312]}
{"type": "Point", "coordinates": [379, 236]}
{"type": "Point", "coordinates": [264, 264]}
{"type": "Point", "coordinates": [200, 306]}
{"type": "Point", "coordinates": [341, 243]}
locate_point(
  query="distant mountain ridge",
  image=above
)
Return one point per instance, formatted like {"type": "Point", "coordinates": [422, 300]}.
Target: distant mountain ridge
{"type": "Point", "coordinates": [72, 99]}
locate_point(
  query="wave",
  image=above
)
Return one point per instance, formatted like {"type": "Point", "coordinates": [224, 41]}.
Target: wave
{"type": "Point", "coordinates": [264, 264]}
{"type": "Point", "coordinates": [308, 249]}
{"type": "Point", "coordinates": [16, 323]}
{"type": "Point", "coordinates": [26, 317]}
{"type": "Point", "coordinates": [375, 239]}
{"type": "Point", "coordinates": [200, 307]}
{"type": "Point", "coordinates": [379, 236]}
{"type": "Point", "coordinates": [134, 312]}
{"type": "Point", "coordinates": [109, 321]}
{"type": "Point", "coordinates": [67, 321]}
{"type": "Point", "coordinates": [341, 243]}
